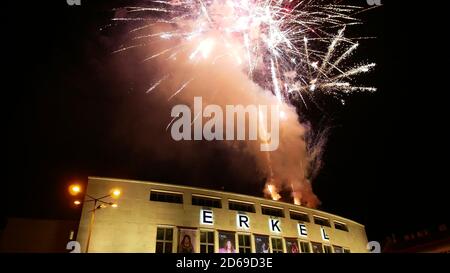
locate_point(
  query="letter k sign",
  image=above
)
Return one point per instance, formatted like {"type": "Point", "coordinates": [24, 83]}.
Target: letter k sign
{"type": "Point", "coordinates": [274, 225]}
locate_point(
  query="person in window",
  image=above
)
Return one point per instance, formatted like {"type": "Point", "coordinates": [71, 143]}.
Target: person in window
{"type": "Point", "coordinates": [264, 248]}
{"type": "Point", "coordinates": [227, 248]}
{"type": "Point", "coordinates": [294, 248]}
{"type": "Point", "coordinates": [186, 245]}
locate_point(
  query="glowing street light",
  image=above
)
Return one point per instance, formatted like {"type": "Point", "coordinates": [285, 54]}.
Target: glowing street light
{"type": "Point", "coordinates": [99, 203]}
{"type": "Point", "coordinates": [115, 193]}
{"type": "Point", "coordinates": [74, 189]}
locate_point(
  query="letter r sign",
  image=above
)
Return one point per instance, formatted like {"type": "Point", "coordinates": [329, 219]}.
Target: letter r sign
{"type": "Point", "coordinates": [242, 221]}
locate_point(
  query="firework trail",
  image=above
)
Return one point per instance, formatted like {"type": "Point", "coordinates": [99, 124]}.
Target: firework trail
{"type": "Point", "coordinates": [291, 48]}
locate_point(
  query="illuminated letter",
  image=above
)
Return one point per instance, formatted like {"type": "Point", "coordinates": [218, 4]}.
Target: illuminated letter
{"type": "Point", "coordinates": [206, 217]}
{"type": "Point", "coordinates": [324, 234]}
{"type": "Point", "coordinates": [243, 221]}
{"type": "Point", "coordinates": [273, 224]}
{"type": "Point", "coordinates": [302, 231]}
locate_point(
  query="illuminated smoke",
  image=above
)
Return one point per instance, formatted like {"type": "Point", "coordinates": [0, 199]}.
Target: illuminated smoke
{"type": "Point", "coordinates": [250, 52]}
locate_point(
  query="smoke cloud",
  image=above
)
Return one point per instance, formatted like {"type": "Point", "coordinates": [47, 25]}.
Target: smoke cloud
{"type": "Point", "coordinates": [218, 79]}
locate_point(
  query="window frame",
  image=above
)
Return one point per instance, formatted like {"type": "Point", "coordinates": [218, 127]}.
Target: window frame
{"type": "Point", "coordinates": [276, 250]}
{"type": "Point", "coordinates": [270, 208]}
{"type": "Point", "coordinates": [207, 243]}
{"type": "Point", "coordinates": [317, 244]}
{"type": "Point", "coordinates": [249, 247]}
{"type": "Point", "coordinates": [328, 222]}
{"type": "Point", "coordinates": [164, 241]}
{"type": "Point", "coordinates": [291, 212]}
{"type": "Point", "coordinates": [307, 243]}
{"type": "Point", "coordinates": [243, 203]}
{"type": "Point", "coordinates": [207, 198]}
{"type": "Point", "coordinates": [167, 193]}
{"type": "Point", "coordinates": [345, 227]}
{"type": "Point", "coordinates": [327, 247]}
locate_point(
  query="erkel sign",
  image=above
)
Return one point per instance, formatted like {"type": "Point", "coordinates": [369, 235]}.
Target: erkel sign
{"type": "Point", "coordinates": [243, 223]}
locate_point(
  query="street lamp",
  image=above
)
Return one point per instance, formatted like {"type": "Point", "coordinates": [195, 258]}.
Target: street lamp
{"type": "Point", "coordinates": [74, 189]}
{"type": "Point", "coordinates": [99, 203]}
{"type": "Point", "coordinates": [116, 193]}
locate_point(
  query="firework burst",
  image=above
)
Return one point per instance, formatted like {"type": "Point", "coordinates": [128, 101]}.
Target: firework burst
{"type": "Point", "coordinates": [280, 44]}
{"type": "Point", "coordinates": [293, 48]}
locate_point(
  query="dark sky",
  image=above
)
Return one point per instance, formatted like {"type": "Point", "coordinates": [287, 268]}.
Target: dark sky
{"type": "Point", "coordinates": [68, 115]}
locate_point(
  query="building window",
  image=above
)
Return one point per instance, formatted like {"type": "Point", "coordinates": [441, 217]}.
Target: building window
{"type": "Point", "coordinates": [316, 247]}
{"type": "Point", "coordinates": [304, 247]}
{"type": "Point", "coordinates": [340, 226]}
{"type": "Point", "coordinates": [262, 244]}
{"type": "Point", "coordinates": [321, 221]}
{"type": "Point", "coordinates": [303, 217]}
{"type": "Point", "coordinates": [239, 206]}
{"type": "Point", "coordinates": [164, 240]}
{"type": "Point", "coordinates": [168, 197]}
{"type": "Point", "coordinates": [327, 249]}
{"type": "Point", "coordinates": [206, 202]}
{"type": "Point", "coordinates": [277, 245]}
{"type": "Point", "coordinates": [272, 211]}
{"type": "Point", "coordinates": [346, 250]}
{"type": "Point", "coordinates": [244, 243]}
{"type": "Point", "coordinates": [206, 241]}
{"type": "Point", "coordinates": [338, 249]}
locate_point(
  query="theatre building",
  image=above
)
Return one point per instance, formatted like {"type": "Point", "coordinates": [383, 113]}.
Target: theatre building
{"type": "Point", "coordinates": [155, 217]}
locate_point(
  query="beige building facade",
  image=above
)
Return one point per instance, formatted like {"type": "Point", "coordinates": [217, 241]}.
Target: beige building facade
{"type": "Point", "coordinates": [155, 217]}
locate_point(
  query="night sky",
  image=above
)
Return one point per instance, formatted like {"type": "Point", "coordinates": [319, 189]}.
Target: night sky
{"type": "Point", "coordinates": [69, 115]}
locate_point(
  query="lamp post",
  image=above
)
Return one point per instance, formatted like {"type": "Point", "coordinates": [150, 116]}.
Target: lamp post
{"type": "Point", "coordinates": [99, 203]}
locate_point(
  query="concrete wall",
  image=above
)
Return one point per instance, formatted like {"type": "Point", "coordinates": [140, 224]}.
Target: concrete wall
{"type": "Point", "coordinates": [131, 227]}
